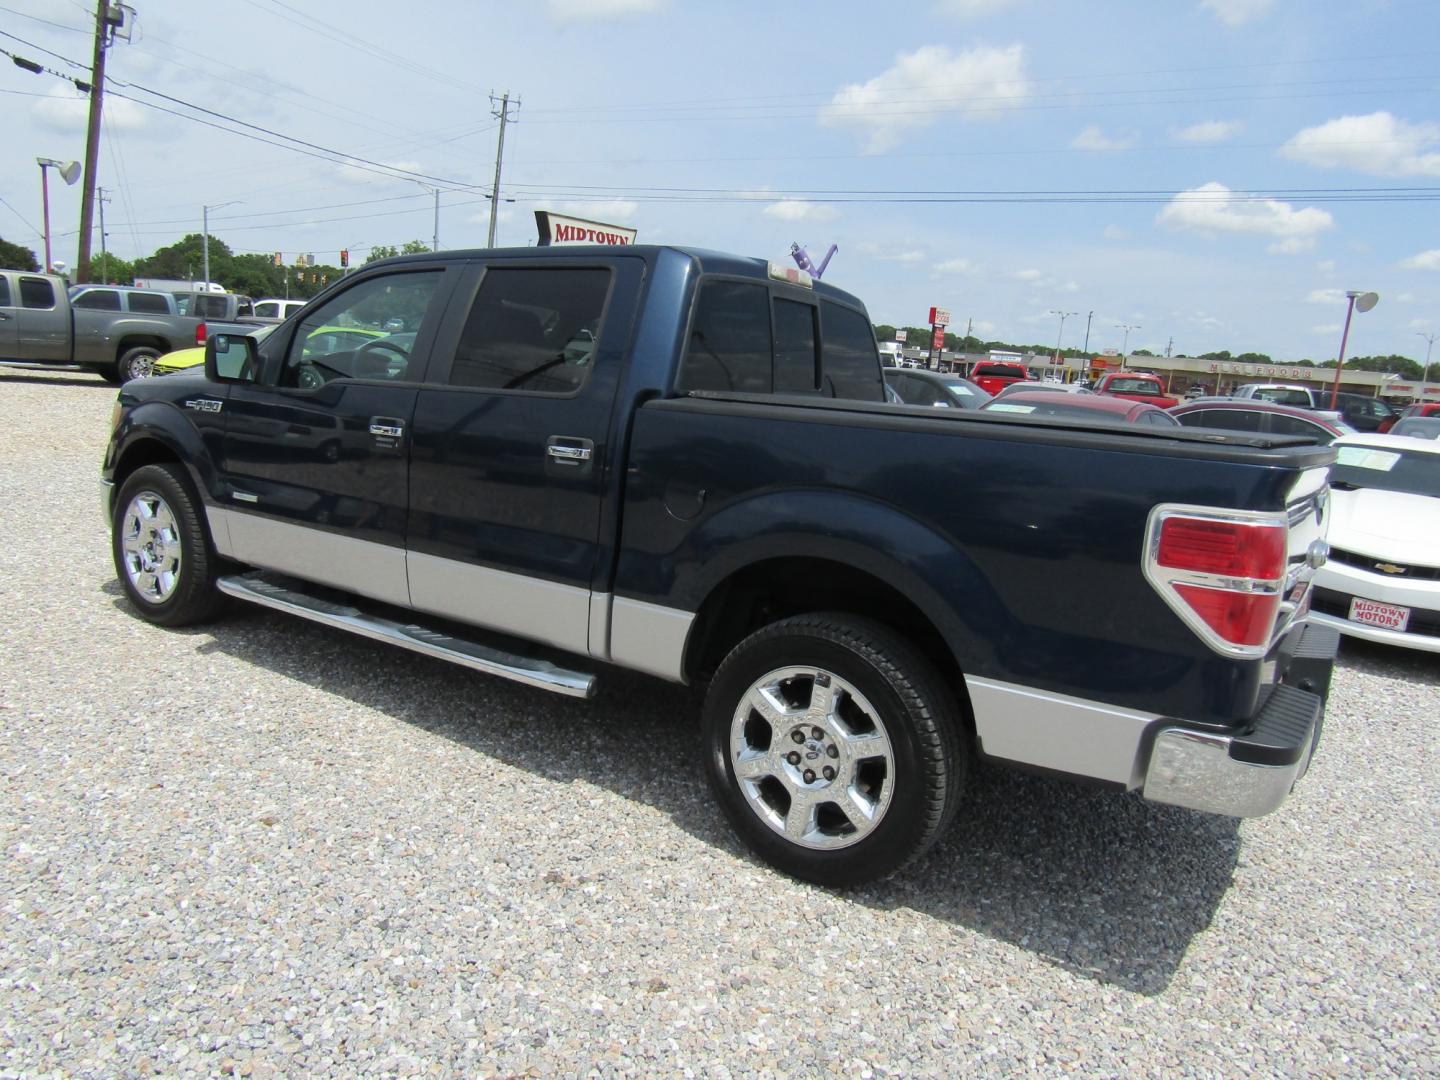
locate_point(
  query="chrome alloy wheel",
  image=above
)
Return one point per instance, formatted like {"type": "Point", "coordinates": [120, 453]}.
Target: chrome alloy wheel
{"type": "Point", "coordinates": [812, 757]}
{"type": "Point", "coordinates": [150, 546]}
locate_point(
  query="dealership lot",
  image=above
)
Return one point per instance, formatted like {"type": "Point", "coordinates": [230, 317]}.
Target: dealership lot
{"type": "Point", "coordinates": [267, 848]}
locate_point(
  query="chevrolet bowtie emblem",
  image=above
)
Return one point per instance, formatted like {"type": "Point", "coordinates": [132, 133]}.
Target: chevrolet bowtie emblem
{"type": "Point", "coordinates": [1389, 568]}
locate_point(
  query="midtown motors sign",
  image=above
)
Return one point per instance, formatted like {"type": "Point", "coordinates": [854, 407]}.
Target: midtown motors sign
{"type": "Point", "coordinates": [557, 230]}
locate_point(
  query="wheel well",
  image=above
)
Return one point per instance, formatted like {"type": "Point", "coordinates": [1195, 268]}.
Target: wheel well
{"type": "Point", "coordinates": [129, 343]}
{"type": "Point", "coordinates": [140, 454]}
{"type": "Point", "coordinates": [778, 588]}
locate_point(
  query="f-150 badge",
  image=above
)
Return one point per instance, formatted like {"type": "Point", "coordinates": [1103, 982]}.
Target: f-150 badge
{"type": "Point", "coordinates": [204, 404]}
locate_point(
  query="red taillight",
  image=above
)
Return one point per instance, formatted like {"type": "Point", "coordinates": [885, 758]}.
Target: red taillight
{"type": "Point", "coordinates": [1239, 618]}
{"type": "Point", "coordinates": [200, 333]}
{"type": "Point", "coordinates": [1232, 548]}
{"type": "Point", "coordinates": [1221, 571]}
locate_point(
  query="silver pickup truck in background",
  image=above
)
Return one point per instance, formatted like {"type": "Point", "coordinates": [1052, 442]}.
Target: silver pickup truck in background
{"type": "Point", "coordinates": [106, 329]}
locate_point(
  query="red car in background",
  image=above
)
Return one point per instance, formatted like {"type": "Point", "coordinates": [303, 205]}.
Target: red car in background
{"type": "Point", "coordinates": [1424, 408]}
{"type": "Point", "coordinates": [993, 376]}
{"type": "Point", "coordinates": [1090, 408]}
{"type": "Point", "coordinates": [1136, 386]}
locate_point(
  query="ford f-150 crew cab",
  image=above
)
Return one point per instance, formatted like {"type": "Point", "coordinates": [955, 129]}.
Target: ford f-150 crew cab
{"type": "Point", "coordinates": [1136, 386]}
{"type": "Point", "coordinates": [541, 463]}
{"type": "Point", "coordinates": [103, 330]}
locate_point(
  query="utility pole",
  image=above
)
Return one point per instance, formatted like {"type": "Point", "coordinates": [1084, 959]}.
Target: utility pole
{"type": "Point", "coordinates": [1086, 348]}
{"type": "Point", "coordinates": [101, 199]}
{"type": "Point", "coordinates": [1169, 345]}
{"type": "Point", "coordinates": [1061, 333]}
{"type": "Point", "coordinates": [435, 240]}
{"type": "Point", "coordinates": [103, 32]}
{"type": "Point", "coordinates": [503, 115]}
{"type": "Point", "coordinates": [1125, 348]}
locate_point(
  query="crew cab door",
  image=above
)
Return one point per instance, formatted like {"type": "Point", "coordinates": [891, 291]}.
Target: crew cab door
{"type": "Point", "coordinates": [512, 436]}
{"type": "Point", "coordinates": [315, 456]}
{"type": "Point", "coordinates": [42, 321]}
{"type": "Point", "coordinates": [9, 323]}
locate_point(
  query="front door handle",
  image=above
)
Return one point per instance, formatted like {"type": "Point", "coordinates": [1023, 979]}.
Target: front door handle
{"type": "Point", "coordinates": [568, 453]}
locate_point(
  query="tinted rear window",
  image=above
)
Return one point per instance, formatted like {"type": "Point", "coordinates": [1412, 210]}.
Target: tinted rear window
{"type": "Point", "coordinates": [850, 362]}
{"type": "Point", "coordinates": [98, 300]}
{"type": "Point", "coordinates": [729, 345]}
{"type": "Point", "coordinates": [36, 293]}
{"type": "Point", "coordinates": [149, 303]}
{"type": "Point", "coordinates": [794, 347]}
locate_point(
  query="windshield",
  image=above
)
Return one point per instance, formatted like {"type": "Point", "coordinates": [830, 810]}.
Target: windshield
{"type": "Point", "coordinates": [1414, 472]}
{"type": "Point", "coordinates": [1133, 386]}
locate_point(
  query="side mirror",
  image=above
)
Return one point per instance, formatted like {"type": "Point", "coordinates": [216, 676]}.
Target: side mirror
{"type": "Point", "coordinates": [231, 358]}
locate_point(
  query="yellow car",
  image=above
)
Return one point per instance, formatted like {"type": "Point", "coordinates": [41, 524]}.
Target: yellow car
{"type": "Point", "coordinates": [185, 359]}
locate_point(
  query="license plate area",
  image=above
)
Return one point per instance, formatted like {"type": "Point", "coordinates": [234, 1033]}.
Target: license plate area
{"type": "Point", "coordinates": [1373, 613]}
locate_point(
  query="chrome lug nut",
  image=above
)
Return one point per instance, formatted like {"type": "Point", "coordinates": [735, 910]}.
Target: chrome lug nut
{"type": "Point", "coordinates": [793, 757]}
{"type": "Point", "coordinates": [829, 773]}
{"type": "Point", "coordinates": [816, 733]}
{"type": "Point", "coordinates": [809, 776]}
{"type": "Point", "coordinates": [797, 736]}
{"type": "Point", "coordinates": [832, 751]}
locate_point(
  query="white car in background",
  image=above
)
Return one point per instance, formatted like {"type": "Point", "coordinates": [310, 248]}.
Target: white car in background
{"type": "Point", "coordinates": [1382, 580]}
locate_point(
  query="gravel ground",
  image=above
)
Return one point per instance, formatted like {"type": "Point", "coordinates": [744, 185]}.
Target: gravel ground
{"type": "Point", "coordinates": [266, 848]}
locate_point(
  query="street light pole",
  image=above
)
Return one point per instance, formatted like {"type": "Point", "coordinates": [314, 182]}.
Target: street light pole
{"type": "Point", "coordinates": [1429, 344]}
{"type": "Point", "coordinates": [205, 238]}
{"type": "Point", "coordinates": [1125, 346]}
{"type": "Point", "coordinates": [1364, 301]}
{"type": "Point", "coordinates": [68, 172]}
{"type": "Point", "coordinates": [1086, 347]}
{"type": "Point", "coordinates": [1061, 333]}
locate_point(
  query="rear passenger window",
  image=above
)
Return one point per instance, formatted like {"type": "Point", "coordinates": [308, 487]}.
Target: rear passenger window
{"type": "Point", "coordinates": [36, 293]}
{"type": "Point", "coordinates": [794, 347]}
{"type": "Point", "coordinates": [729, 340]}
{"type": "Point", "coordinates": [4, 292]}
{"type": "Point", "coordinates": [98, 300]}
{"type": "Point", "coordinates": [850, 361]}
{"type": "Point", "coordinates": [148, 303]}
{"type": "Point", "coordinates": [532, 329]}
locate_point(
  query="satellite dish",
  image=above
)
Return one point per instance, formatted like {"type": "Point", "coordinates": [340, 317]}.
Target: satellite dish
{"type": "Point", "coordinates": [1366, 301]}
{"type": "Point", "coordinates": [71, 172]}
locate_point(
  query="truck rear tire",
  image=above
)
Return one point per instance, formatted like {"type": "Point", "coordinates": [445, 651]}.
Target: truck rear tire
{"type": "Point", "coordinates": [833, 747]}
{"type": "Point", "coordinates": [163, 556]}
{"type": "Point", "coordinates": [136, 363]}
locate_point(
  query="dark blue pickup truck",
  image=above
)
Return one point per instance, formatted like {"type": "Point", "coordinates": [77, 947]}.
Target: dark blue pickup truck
{"type": "Point", "coordinates": [539, 463]}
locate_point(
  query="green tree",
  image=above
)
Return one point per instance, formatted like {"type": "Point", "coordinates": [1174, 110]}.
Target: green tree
{"type": "Point", "coordinates": [1254, 358]}
{"type": "Point", "coordinates": [1393, 364]}
{"type": "Point", "coordinates": [184, 260]}
{"type": "Point", "coordinates": [15, 257]}
{"type": "Point", "coordinates": [884, 332]}
{"type": "Point", "coordinates": [388, 251]}
{"type": "Point", "coordinates": [109, 268]}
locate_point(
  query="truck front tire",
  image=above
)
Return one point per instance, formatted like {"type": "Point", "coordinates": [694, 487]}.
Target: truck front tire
{"type": "Point", "coordinates": [833, 747]}
{"type": "Point", "coordinates": [162, 551]}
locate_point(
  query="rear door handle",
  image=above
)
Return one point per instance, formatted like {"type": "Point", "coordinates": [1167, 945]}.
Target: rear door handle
{"type": "Point", "coordinates": [383, 427]}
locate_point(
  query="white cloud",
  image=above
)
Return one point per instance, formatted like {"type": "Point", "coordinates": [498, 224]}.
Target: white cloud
{"type": "Point", "coordinates": [1238, 12]}
{"type": "Point", "coordinates": [912, 256]}
{"type": "Point", "coordinates": [1070, 286]}
{"type": "Point", "coordinates": [800, 210]}
{"type": "Point", "coordinates": [983, 327]}
{"type": "Point", "coordinates": [1214, 208]}
{"type": "Point", "coordinates": [1419, 324]}
{"type": "Point", "coordinates": [603, 9]}
{"type": "Point", "coordinates": [1092, 138]}
{"type": "Point", "coordinates": [1378, 144]}
{"type": "Point", "coordinates": [1325, 296]}
{"type": "Point", "coordinates": [1291, 245]}
{"type": "Point", "coordinates": [68, 111]}
{"type": "Point", "coordinates": [1209, 131]}
{"type": "Point", "coordinates": [1027, 275]}
{"type": "Point", "coordinates": [1405, 298]}
{"type": "Point", "coordinates": [1327, 328]}
{"type": "Point", "coordinates": [1115, 232]}
{"type": "Point", "coordinates": [1326, 266]}
{"type": "Point", "coordinates": [971, 9]}
{"type": "Point", "coordinates": [1426, 260]}
{"type": "Point", "coordinates": [925, 84]}
{"type": "Point", "coordinates": [955, 266]}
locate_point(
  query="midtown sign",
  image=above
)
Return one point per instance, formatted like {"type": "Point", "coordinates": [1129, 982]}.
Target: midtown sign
{"type": "Point", "coordinates": [557, 230]}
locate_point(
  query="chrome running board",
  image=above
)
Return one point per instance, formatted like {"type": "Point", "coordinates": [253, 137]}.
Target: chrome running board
{"type": "Point", "coordinates": [521, 669]}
